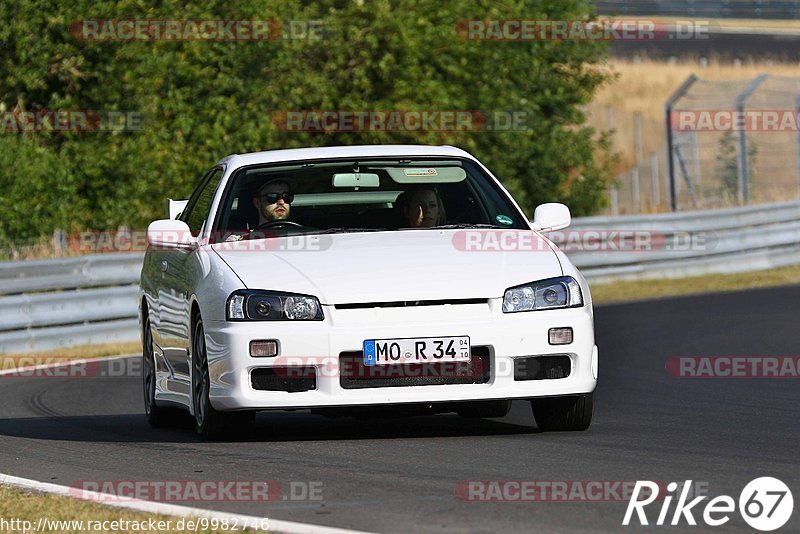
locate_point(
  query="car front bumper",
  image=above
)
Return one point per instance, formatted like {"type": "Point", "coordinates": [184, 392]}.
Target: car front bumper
{"type": "Point", "coordinates": [319, 344]}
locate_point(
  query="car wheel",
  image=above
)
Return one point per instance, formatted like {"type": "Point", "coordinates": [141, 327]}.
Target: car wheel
{"type": "Point", "coordinates": [208, 422]}
{"type": "Point", "coordinates": [155, 415]}
{"type": "Point", "coordinates": [494, 408]}
{"type": "Point", "coordinates": [564, 413]}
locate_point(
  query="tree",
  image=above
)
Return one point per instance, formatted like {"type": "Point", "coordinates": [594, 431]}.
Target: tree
{"type": "Point", "coordinates": [203, 100]}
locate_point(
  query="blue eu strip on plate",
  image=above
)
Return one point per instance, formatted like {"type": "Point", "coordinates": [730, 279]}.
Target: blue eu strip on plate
{"type": "Point", "coordinates": [369, 352]}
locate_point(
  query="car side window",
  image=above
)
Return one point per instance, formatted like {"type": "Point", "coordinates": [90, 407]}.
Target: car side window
{"type": "Point", "coordinates": [199, 205]}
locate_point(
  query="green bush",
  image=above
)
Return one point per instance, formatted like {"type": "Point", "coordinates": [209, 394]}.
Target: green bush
{"type": "Point", "coordinates": [204, 100]}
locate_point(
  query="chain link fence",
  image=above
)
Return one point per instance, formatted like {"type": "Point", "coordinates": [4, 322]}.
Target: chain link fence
{"type": "Point", "coordinates": [733, 142]}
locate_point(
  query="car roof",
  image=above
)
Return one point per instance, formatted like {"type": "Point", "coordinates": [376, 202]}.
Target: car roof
{"type": "Point", "coordinates": [357, 151]}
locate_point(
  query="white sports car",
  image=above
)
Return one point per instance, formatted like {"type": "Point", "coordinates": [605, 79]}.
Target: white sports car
{"type": "Point", "coordinates": [346, 279]}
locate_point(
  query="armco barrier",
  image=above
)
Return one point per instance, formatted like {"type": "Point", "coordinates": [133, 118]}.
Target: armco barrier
{"type": "Point", "coordinates": [723, 241]}
{"type": "Point", "coordinates": [47, 304]}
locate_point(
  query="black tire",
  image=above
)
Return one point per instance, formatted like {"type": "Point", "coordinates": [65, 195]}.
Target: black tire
{"type": "Point", "coordinates": [492, 408]}
{"type": "Point", "coordinates": [209, 423]}
{"type": "Point", "coordinates": [155, 414]}
{"type": "Point", "coordinates": [564, 413]}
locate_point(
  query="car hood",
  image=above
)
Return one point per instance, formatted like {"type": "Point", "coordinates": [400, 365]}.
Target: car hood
{"type": "Point", "coordinates": [390, 266]}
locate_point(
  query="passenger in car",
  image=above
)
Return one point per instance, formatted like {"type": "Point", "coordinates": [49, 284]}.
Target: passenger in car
{"type": "Point", "coordinates": [421, 207]}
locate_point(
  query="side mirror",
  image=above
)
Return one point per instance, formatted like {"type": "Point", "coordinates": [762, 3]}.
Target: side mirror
{"type": "Point", "coordinates": [551, 216]}
{"type": "Point", "coordinates": [175, 207]}
{"type": "Point", "coordinates": [170, 234]}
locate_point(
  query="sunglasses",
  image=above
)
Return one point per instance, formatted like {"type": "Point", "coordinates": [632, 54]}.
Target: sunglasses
{"type": "Point", "coordinates": [272, 198]}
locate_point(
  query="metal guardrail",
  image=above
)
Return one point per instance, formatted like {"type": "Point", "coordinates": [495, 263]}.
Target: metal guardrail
{"type": "Point", "coordinates": [70, 273]}
{"type": "Point", "coordinates": [48, 304]}
{"type": "Point", "coordinates": [86, 300]}
{"type": "Point", "coordinates": [731, 240]}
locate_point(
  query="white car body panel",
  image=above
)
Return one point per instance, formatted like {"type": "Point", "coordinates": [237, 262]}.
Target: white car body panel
{"type": "Point", "coordinates": [390, 266]}
{"type": "Point", "coordinates": [368, 267]}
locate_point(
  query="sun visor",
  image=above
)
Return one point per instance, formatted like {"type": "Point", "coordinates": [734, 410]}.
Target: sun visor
{"type": "Point", "coordinates": [426, 175]}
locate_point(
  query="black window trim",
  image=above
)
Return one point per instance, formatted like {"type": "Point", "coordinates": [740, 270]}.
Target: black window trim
{"type": "Point", "coordinates": [196, 194]}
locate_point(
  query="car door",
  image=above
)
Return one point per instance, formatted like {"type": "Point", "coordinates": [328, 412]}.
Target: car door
{"type": "Point", "coordinates": [181, 271]}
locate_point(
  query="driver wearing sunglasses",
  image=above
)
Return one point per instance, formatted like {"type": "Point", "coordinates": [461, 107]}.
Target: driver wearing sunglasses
{"type": "Point", "coordinates": [273, 201]}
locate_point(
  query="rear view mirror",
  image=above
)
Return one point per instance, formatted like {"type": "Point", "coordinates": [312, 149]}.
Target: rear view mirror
{"type": "Point", "coordinates": [356, 179]}
{"type": "Point", "coordinates": [427, 175]}
{"type": "Point", "coordinates": [551, 216]}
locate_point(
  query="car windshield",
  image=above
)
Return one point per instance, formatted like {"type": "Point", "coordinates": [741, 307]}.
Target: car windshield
{"type": "Point", "coordinates": [365, 195]}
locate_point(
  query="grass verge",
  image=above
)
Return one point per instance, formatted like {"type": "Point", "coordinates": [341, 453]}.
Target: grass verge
{"type": "Point", "coordinates": [24, 506]}
{"type": "Point", "coordinates": [11, 361]}
{"type": "Point", "coordinates": [649, 289]}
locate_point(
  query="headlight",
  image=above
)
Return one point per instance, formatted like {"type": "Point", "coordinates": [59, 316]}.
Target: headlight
{"type": "Point", "coordinates": [561, 292]}
{"type": "Point", "coordinates": [253, 305]}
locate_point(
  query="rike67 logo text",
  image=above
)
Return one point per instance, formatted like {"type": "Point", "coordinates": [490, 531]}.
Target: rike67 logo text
{"type": "Point", "coordinates": [765, 504]}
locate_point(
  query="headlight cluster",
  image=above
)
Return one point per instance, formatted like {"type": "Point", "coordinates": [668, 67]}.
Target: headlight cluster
{"type": "Point", "coordinates": [561, 292]}
{"type": "Point", "coordinates": [253, 305]}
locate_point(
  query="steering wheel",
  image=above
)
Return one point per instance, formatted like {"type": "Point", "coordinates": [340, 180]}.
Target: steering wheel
{"type": "Point", "coordinates": [278, 224]}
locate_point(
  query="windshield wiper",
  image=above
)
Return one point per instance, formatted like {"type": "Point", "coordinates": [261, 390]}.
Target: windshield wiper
{"type": "Point", "coordinates": [348, 230]}
{"type": "Point", "coordinates": [466, 225]}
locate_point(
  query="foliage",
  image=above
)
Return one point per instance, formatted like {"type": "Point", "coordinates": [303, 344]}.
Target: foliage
{"type": "Point", "coordinates": [727, 168]}
{"type": "Point", "coordinates": [203, 100]}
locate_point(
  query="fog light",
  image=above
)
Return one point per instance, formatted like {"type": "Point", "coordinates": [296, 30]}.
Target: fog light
{"type": "Point", "coordinates": [264, 348]}
{"type": "Point", "coordinates": [560, 336]}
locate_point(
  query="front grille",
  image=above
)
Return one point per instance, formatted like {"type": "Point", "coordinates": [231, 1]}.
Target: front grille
{"type": "Point", "coordinates": [289, 379]}
{"type": "Point", "coordinates": [407, 303]}
{"type": "Point", "coordinates": [353, 374]}
{"type": "Point", "coordinates": [542, 367]}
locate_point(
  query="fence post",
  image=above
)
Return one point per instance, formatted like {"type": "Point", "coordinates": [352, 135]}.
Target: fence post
{"type": "Point", "coordinates": [686, 176]}
{"type": "Point", "coordinates": [59, 242]}
{"type": "Point", "coordinates": [637, 149]}
{"type": "Point", "coordinates": [679, 92]}
{"type": "Point", "coordinates": [743, 173]}
{"type": "Point", "coordinates": [614, 194]}
{"type": "Point", "coordinates": [654, 181]}
{"type": "Point", "coordinates": [797, 110]}
{"type": "Point", "coordinates": [637, 136]}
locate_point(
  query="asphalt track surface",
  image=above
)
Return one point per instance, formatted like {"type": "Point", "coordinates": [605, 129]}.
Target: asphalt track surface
{"type": "Point", "coordinates": [400, 475]}
{"type": "Point", "coordinates": [728, 46]}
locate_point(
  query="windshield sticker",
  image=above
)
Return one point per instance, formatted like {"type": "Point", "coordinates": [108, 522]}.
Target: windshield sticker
{"type": "Point", "coordinates": [503, 219]}
{"type": "Point", "coordinates": [420, 172]}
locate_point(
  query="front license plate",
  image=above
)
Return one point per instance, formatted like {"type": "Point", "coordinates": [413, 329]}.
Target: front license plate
{"type": "Point", "coordinates": [416, 350]}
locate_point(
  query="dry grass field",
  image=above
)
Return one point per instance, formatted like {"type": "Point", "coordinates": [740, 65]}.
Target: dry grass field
{"type": "Point", "coordinates": [643, 86]}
